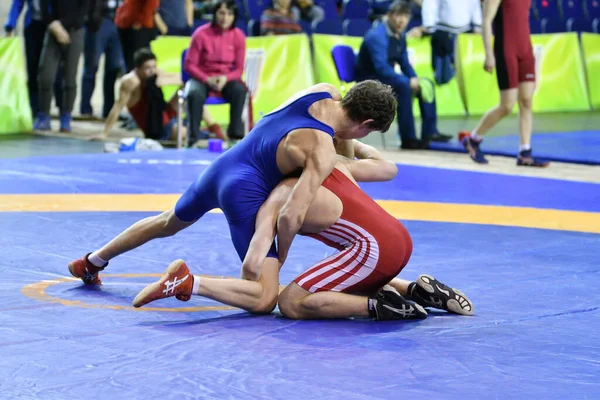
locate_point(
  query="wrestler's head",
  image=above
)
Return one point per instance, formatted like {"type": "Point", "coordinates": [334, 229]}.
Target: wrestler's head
{"type": "Point", "coordinates": [371, 106]}
{"type": "Point", "coordinates": [145, 63]}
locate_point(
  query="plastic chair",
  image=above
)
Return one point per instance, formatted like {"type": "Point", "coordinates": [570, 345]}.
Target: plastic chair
{"type": "Point", "coordinates": [328, 27]}
{"type": "Point", "coordinates": [356, 27]}
{"type": "Point", "coordinates": [356, 9]}
{"type": "Point", "coordinates": [210, 100]}
{"type": "Point", "coordinates": [344, 60]}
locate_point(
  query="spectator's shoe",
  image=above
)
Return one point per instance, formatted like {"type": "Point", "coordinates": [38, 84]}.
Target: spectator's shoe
{"type": "Point", "coordinates": [414, 144]}
{"type": "Point", "coordinates": [525, 159]}
{"type": "Point", "coordinates": [389, 305]}
{"type": "Point", "coordinates": [65, 122]}
{"type": "Point", "coordinates": [472, 147]}
{"type": "Point", "coordinates": [42, 122]}
{"type": "Point", "coordinates": [439, 137]}
{"type": "Point", "coordinates": [216, 131]}
{"type": "Point", "coordinates": [177, 281]}
{"type": "Point", "coordinates": [427, 90]}
{"type": "Point", "coordinates": [86, 271]}
{"type": "Point", "coordinates": [429, 292]}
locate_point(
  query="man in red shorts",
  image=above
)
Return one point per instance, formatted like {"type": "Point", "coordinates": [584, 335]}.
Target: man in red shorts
{"type": "Point", "coordinates": [512, 57]}
{"type": "Point", "coordinates": [358, 281]}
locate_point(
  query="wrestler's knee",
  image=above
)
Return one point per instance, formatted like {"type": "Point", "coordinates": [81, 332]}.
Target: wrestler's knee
{"type": "Point", "coordinates": [289, 304]}
{"type": "Point", "coordinates": [265, 305]}
{"type": "Point", "coordinates": [170, 224]}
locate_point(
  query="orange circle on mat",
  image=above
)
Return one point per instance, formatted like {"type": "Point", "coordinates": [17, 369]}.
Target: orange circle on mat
{"type": "Point", "coordinates": [37, 291]}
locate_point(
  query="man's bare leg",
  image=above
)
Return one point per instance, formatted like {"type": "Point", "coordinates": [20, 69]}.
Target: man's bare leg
{"type": "Point", "coordinates": [253, 296]}
{"type": "Point", "coordinates": [159, 226]}
{"type": "Point", "coordinates": [526, 112]}
{"type": "Point", "coordinates": [508, 98]}
{"type": "Point", "coordinates": [298, 303]}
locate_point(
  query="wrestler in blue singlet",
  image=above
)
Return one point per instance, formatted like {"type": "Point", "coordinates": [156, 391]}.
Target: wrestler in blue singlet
{"type": "Point", "coordinates": [239, 181]}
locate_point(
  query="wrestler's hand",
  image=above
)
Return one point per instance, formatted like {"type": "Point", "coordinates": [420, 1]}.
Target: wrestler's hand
{"type": "Point", "coordinates": [97, 138]}
{"type": "Point", "coordinates": [490, 63]}
{"type": "Point", "coordinates": [221, 82]}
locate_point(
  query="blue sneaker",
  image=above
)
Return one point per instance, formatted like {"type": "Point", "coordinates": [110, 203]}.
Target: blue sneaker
{"type": "Point", "coordinates": [42, 122]}
{"type": "Point", "coordinates": [525, 159]}
{"type": "Point", "coordinates": [65, 122]}
{"type": "Point", "coordinates": [472, 147]}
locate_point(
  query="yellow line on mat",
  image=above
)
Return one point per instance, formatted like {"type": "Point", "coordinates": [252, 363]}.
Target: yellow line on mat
{"type": "Point", "coordinates": [406, 210]}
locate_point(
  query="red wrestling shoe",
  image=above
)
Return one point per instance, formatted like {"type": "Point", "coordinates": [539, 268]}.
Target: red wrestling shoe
{"type": "Point", "coordinates": [86, 271]}
{"type": "Point", "coordinates": [177, 281]}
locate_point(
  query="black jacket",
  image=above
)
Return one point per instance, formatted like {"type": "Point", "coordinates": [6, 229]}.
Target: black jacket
{"type": "Point", "coordinates": [72, 14]}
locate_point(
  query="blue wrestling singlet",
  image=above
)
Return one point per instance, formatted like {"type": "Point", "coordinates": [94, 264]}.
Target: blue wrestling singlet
{"type": "Point", "coordinates": [240, 180]}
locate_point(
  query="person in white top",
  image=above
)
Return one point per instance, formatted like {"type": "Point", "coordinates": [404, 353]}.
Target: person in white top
{"type": "Point", "coordinates": [444, 19]}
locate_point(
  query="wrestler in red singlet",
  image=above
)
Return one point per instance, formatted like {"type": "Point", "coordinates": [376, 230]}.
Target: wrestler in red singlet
{"type": "Point", "coordinates": [374, 246]}
{"type": "Point", "coordinates": [515, 62]}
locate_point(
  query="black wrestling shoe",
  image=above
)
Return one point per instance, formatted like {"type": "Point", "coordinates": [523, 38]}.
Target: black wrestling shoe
{"type": "Point", "coordinates": [429, 292]}
{"type": "Point", "coordinates": [389, 305]}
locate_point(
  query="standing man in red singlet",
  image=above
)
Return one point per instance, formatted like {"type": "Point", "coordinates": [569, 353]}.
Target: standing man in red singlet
{"type": "Point", "coordinates": [512, 57]}
{"type": "Point", "coordinates": [373, 248]}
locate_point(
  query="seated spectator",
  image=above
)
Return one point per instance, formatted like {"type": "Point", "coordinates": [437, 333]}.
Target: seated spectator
{"type": "Point", "coordinates": [307, 11]}
{"type": "Point", "coordinates": [383, 47]}
{"type": "Point", "coordinates": [215, 62]}
{"type": "Point", "coordinates": [141, 93]}
{"type": "Point", "coordinates": [279, 20]}
{"type": "Point", "coordinates": [175, 17]}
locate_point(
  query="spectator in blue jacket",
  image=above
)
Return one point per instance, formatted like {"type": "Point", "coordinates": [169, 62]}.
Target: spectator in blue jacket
{"type": "Point", "coordinates": [35, 29]}
{"type": "Point", "coordinates": [383, 47]}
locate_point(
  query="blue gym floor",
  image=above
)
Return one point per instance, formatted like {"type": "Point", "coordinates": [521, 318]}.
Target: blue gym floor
{"type": "Point", "coordinates": [534, 333]}
{"type": "Point", "coordinates": [580, 147]}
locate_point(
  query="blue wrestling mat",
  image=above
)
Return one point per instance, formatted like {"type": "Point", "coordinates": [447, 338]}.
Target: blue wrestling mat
{"type": "Point", "coordinates": [533, 334]}
{"type": "Point", "coordinates": [581, 147]}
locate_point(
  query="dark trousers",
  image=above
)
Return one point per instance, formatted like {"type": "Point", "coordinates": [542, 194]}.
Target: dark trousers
{"type": "Point", "coordinates": [105, 41]}
{"type": "Point", "coordinates": [406, 119]}
{"type": "Point", "coordinates": [179, 31]}
{"type": "Point", "coordinates": [442, 56]}
{"type": "Point", "coordinates": [133, 40]}
{"type": "Point", "coordinates": [34, 41]}
{"type": "Point", "coordinates": [53, 54]}
{"type": "Point", "coordinates": [234, 92]}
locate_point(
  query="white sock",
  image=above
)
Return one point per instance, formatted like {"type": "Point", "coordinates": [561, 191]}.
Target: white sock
{"type": "Point", "coordinates": [97, 261]}
{"type": "Point", "coordinates": [196, 285]}
{"type": "Point", "coordinates": [476, 137]}
{"type": "Point", "coordinates": [524, 147]}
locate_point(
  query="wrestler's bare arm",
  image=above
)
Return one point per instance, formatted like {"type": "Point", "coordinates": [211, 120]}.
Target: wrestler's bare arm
{"type": "Point", "coordinates": [128, 85]}
{"type": "Point", "coordinates": [265, 230]}
{"type": "Point", "coordinates": [314, 153]}
{"type": "Point", "coordinates": [369, 165]}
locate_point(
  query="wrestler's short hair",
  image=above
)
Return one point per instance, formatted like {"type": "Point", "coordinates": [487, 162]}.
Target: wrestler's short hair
{"type": "Point", "coordinates": [371, 99]}
{"type": "Point", "coordinates": [141, 56]}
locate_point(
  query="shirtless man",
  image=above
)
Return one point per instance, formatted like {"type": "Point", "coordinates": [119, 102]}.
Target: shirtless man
{"type": "Point", "coordinates": [373, 248]}
{"type": "Point", "coordinates": [132, 95]}
{"type": "Point", "coordinates": [296, 137]}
